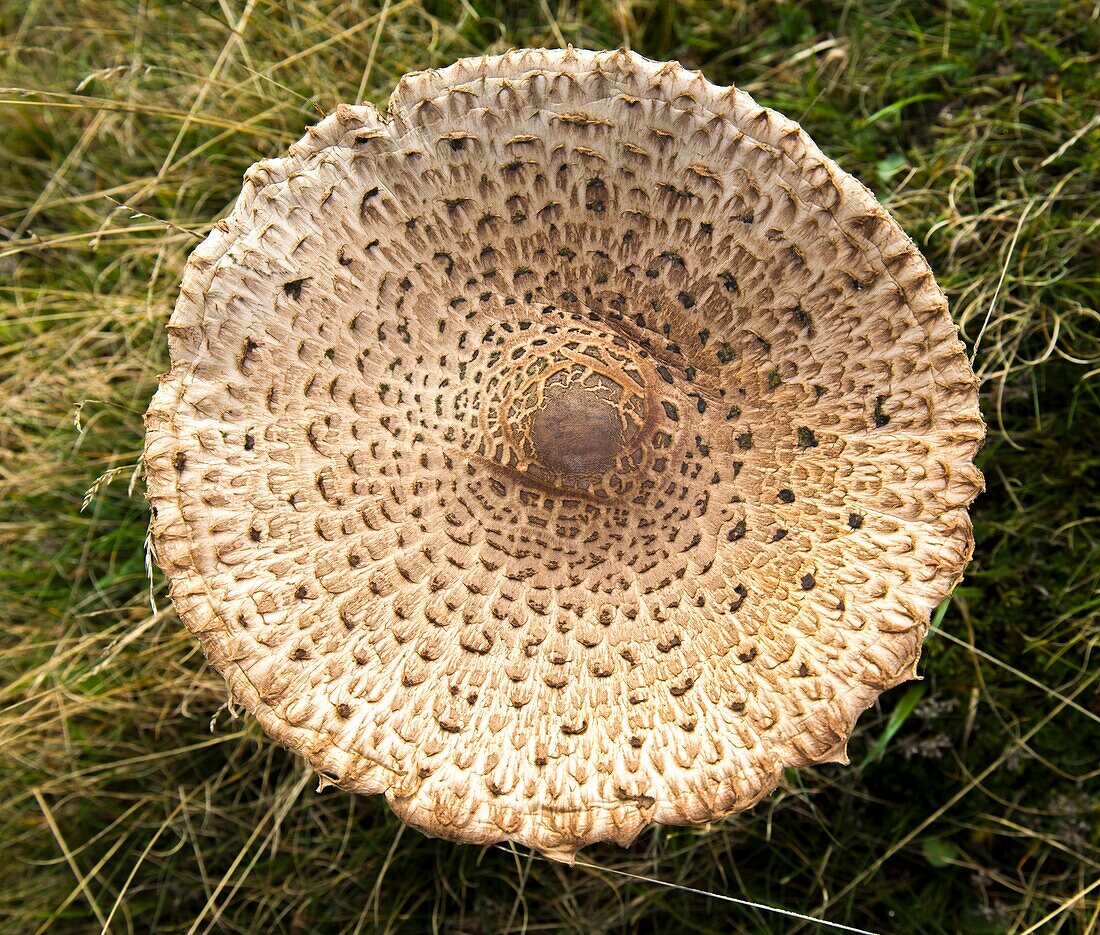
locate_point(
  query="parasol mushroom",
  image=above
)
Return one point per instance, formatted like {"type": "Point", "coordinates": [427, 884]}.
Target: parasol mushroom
{"type": "Point", "coordinates": [572, 448]}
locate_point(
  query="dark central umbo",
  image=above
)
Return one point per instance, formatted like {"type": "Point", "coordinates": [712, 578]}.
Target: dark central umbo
{"type": "Point", "coordinates": [576, 432]}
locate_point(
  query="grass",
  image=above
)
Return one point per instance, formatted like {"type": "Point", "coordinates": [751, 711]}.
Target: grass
{"type": "Point", "coordinates": [133, 800]}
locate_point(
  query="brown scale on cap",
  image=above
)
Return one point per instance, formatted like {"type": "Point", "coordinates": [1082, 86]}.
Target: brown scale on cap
{"type": "Point", "coordinates": [573, 447]}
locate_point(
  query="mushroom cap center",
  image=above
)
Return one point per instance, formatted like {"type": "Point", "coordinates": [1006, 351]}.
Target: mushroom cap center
{"type": "Point", "coordinates": [576, 432]}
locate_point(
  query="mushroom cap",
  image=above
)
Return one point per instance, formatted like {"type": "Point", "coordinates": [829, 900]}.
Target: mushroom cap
{"type": "Point", "coordinates": [573, 448]}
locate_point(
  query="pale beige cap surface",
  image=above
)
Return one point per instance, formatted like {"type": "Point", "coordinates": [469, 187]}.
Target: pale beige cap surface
{"type": "Point", "coordinates": [574, 447]}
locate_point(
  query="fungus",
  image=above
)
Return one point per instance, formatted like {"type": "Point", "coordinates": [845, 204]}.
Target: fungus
{"type": "Point", "coordinates": [495, 473]}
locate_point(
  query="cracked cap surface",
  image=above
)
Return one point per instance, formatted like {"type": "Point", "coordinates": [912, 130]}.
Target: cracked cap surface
{"type": "Point", "coordinates": [574, 447]}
